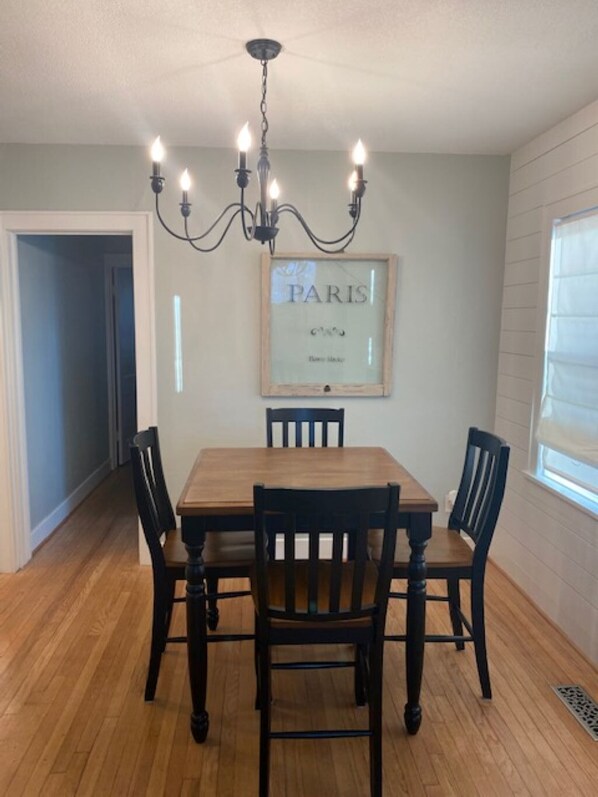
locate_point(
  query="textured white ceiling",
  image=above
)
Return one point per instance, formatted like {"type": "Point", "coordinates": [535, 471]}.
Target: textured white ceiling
{"type": "Point", "coordinates": [461, 76]}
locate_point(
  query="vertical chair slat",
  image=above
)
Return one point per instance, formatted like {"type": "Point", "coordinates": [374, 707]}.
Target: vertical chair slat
{"type": "Point", "coordinates": [458, 515]}
{"type": "Point", "coordinates": [269, 429]}
{"type": "Point", "coordinates": [484, 493]}
{"type": "Point", "coordinates": [361, 555]}
{"type": "Point", "coordinates": [289, 562]}
{"type": "Point", "coordinates": [483, 461]}
{"type": "Point", "coordinates": [336, 565]}
{"type": "Point", "coordinates": [473, 492]}
{"type": "Point", "coordinates": [313, 565]}
{"type": "Point", "coordinates": [318, 419]}
{"type": "Point", "coordinates": [148, 469]}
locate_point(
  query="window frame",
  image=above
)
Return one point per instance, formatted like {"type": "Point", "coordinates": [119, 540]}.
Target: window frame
{"type": "Point", "coordinates": [582, 204]}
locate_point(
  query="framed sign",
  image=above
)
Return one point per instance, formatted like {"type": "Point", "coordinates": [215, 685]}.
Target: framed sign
{"type": "Point", "coordinates": [327, 324]}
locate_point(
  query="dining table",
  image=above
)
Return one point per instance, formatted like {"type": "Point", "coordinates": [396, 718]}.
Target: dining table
{"type": "Point", "coordinates": [218, 496]}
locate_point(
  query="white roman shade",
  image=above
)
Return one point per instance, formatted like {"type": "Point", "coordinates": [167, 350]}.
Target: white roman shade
{"type": "Point", "coordinates": [568, 420]}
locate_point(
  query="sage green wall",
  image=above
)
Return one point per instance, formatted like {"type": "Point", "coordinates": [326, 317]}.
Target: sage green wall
{"type": "Point", "coordinates": [444, 215]}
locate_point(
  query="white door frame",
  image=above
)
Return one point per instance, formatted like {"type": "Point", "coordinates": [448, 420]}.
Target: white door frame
{"type": "Point", "coordinates": [112, 261]}
{"type": "Point", "coordinates": [15, 526]}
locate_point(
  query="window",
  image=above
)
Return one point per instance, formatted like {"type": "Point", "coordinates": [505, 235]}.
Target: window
{"type": "Point", "coordinates": [567, 428]}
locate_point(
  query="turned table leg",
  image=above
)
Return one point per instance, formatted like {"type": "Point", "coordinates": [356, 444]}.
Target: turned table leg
{"type": "Point", "coordinates": [197, 646]}
{"type": "Point", "coordinates": [419, 533]}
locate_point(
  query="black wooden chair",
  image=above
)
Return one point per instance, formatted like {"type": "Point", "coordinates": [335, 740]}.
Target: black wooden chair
{"type": "Point", "coordinates": [317, 420]}
{"type": "Point", "coordinates": [225, 555]}
{"type": "Point", "coordinates": [291, 420]}
{"type": "Point", "coordinates": [448, 555]}
{"type": "Point", "coordinates": [317, 600]}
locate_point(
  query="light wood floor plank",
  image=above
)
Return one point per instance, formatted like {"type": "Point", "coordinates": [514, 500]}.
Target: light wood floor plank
{"type": "Point", "coordinates": [74, 640]}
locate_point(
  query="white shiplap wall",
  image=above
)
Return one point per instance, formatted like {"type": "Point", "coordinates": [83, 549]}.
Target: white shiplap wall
{"type": "Point", "coordinates": [547, 545]}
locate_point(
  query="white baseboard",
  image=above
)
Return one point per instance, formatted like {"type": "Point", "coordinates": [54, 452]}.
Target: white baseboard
{"type": "Point", "coordinates": [43, 530]}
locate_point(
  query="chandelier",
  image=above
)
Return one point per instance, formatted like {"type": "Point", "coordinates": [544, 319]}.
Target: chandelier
{"type": "Point", "coordinates": [261, 223]}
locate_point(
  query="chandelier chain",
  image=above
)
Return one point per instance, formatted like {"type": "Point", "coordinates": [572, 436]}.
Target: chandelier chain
{"type": "Point", "coordinates": [263, 103]}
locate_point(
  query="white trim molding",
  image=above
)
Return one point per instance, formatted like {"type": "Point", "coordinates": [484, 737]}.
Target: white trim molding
{"type": "Point", "coordinates": [15, 528]}
{"type": "Point", "coordinates": [43, 529]}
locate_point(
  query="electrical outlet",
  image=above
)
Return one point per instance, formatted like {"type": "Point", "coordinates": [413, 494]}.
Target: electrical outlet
{"type": "Point", "coordinates": [449, 501]}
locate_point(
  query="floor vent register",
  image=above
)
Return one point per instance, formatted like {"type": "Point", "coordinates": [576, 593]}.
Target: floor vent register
{"type": "Point", "coordinates": [581, 705]}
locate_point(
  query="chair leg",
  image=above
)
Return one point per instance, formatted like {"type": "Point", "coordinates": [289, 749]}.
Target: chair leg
{"type": "Point", "coordinates": [256, 664]}
{"type": "Point", "coordinates": [375, 712]}
{"type": "Point", "coordinates": [361, 675]}
{"type": "Point", "coordinates": [213, 614]}
{"type": "Point", "coordinates": [454, 595]}
{"type": "Point", "coordinates": [479, 635]}
{"type": "Point", "coordinates": [169, 597]}
{"type": "Point", "coordinates": [160, 619]}
{"type": "Point", "coordinates": [265, 710]}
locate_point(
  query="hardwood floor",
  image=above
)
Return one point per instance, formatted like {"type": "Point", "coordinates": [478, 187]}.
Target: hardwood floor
{"type": "Point", "coordinates": [74, 641]}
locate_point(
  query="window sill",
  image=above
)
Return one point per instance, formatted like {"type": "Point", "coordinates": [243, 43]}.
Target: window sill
{"type": "Point", "coordinates": [579, 502]}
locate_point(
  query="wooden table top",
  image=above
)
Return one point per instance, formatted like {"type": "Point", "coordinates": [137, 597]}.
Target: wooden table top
{"type": "Point", "coordinates": [221, 480]}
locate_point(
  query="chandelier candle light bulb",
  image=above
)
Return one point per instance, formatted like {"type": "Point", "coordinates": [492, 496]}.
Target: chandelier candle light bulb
{"type": "Point", "coordinates": [157, 151]}
{"type": "Point", "coordinates": [259, 224]}
{"type": "Point", "coordinates": [185, 183]}
{"type": "Point", "coordinates": [359, 158]}
{"type": "Point", "coordinates": [243, 142]}
{"type": "Point", "coordinates": [185, 180]}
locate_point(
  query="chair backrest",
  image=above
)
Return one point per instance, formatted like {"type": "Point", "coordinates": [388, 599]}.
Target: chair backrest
{"type": "Point", "coordinates": [317, 420]}
{"type": "Point", "coordinates": [315, 587]}
{"type": "Point", "coordinates": [153, 503]}
{"type": "Point", "coordinates": [482, 488]}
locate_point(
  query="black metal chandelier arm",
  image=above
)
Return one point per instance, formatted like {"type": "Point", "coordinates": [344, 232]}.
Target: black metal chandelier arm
{"type": "Point", "coordinates": [333, 250]}
{"type": "Point", "coordinates": [288, 208]}
{"type": "Point", "coordinates": [222, 237]}
{"type": "Point", "coordinates": [189, 238]}
{"type": "Point", "coordinates": [323, 246]}
{"type": "Point", "coordinates": [166, 227]}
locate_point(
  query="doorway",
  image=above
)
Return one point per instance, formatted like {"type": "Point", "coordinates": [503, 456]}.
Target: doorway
{"type": "Point", "coordinates": [78, 357]}
{"type": "Point", "coordinates": [15, 521]}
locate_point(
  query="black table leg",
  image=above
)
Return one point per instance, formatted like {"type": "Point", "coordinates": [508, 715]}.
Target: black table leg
{"type": "Point", "coordinates": [419, 533]}
{"type": "Point", "coordinates": [197, 646]}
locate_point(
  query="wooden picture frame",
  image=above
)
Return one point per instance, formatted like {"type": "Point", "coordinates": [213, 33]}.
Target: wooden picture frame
{"type": "Point", "coordinates": [327, 324]}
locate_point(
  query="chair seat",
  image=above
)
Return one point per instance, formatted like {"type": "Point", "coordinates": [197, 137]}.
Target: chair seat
{"type": "Point", "coordinates": [276, 592]}
{"type": "Point", "coordinates": [221, 549]}
{"type": "Point", "coordinates": [445, 549]}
